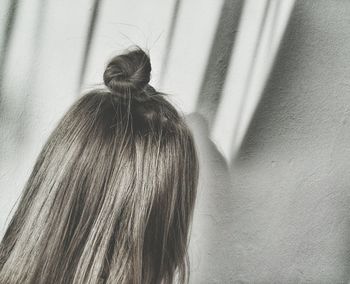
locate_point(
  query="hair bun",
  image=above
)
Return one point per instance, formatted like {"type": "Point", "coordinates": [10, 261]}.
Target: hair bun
{"type": "Point", "coordinates": [128, 73]}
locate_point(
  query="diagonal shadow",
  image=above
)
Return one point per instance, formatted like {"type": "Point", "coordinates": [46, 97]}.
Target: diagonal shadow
{"type": "Point", "coordinates": [251, 67]}
{"type": "Point", "coordinates": [90, 35]}
{"type": "Point", "coordinates": [170, 40]}
{"type": "Point", "coordinates": [220, 54]}
{"type": "Point", "coordinates": [278, 80]}
{"type": "Point", "coordinates": [9, 26]}
{"type": "Point", "coordinates": [21, 129]}
{"type": "Point", "coordinates": [16, 129]}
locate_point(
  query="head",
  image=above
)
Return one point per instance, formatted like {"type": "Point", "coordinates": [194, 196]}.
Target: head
{"type": "Point", "coordinates": [111, 196]}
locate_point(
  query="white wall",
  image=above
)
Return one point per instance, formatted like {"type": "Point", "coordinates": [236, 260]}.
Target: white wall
{"type": "Point", "coordinates": [279, 212]}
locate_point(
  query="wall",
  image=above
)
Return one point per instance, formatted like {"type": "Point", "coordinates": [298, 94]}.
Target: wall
{"type": "Point", "coordinates": [277, 213]}
{"type": "Point", "coordinates": [280, 214]}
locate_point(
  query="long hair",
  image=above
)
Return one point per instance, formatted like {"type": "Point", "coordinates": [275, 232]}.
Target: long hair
{"type": "Point", "coordinates": [111, 196]}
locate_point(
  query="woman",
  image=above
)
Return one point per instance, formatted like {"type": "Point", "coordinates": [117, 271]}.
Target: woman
{"type": "Point", "coordinates": [111, 195]}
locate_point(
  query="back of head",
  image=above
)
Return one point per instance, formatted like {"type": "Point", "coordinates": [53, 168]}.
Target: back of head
{"type": "Point", "coordinates": [111, 196]}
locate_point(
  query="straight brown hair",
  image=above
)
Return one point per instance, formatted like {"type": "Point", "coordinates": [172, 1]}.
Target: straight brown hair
{"type": "Point", "coordinates": [111, 196]}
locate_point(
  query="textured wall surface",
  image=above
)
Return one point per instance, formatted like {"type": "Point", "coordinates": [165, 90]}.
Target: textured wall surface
{"type": "Point", "coordinates": [279, 212]}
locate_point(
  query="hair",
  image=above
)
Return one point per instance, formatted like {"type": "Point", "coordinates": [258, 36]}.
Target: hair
{"type": "Point", "coordinates": [111, 196]}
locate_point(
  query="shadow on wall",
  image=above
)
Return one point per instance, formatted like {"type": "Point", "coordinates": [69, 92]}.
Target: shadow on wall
{"type": "Point", "coordinates": [275, 94]}
{"type": "Point", "coordinates": [89, 38]}
{"type": "Point", "coordinates": [212, 233]}
{"type": "Point", "coordinates": [291, 174]}
{"type": "Point", "coordinates": [219, 58]}
{"type": "Point", "coordinates": [10, 125]}
{"type": "Point", "coordinates": [212, 240]}
{"type": "Point", "coordinates": [17, 80]}
{"type": "Point", "coordinates": [8, 32]}
{"type": "Point", "coordinates": [279, 213]}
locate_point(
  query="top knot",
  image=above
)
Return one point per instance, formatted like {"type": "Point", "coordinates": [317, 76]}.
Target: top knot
{"type": "Point", "coordinates": [128, 74]}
